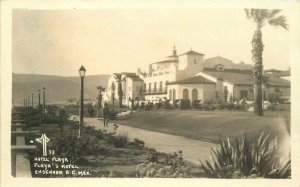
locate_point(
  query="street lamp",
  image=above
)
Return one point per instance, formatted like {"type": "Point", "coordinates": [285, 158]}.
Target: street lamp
{"type": "Point", "coordinates": [32, 100]}
{"type": "Point", "coordinates": [44, 99]}
{"type": "Point", "coordinates": [39, 98]}
{"type": "Point", "coordinates": [82, 71]}
{"type": "Point", "coordinates": [28, 97]}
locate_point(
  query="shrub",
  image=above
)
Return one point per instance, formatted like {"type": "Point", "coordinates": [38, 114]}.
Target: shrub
{"type": "Point", "coordinates": [229, 106]}
{"type": "Point", "coordinates": [173, 166]}
{"type": "Point", "coordinates": [149, 106]}
{"type": "Point", "coordinates": [196, 103]}
{"type": "Point", "coordinates": [246, 159]}
{"type": "Point", "coordinates": [220, 106]}
{"type": "Point", "coordinates": [158, 105]}
{"type": "Point", "coordinates": [138, 143]}
{"type": "Point", "coordinates": [113, 114]}
{"type": "Point", "coordinates": [119, 140]}
{"type": "Point", "coordinates": [167, 105]}
{"type": "Point", "coordinates": [70, 145]}
{"type": "Point", "coordinates": [91, 110]}
{"type": "Point", "coordinates": [184, 103]}
{"type": "Point", "coordinates": [208, 107]}
{"type": "Point", "coordinates": [152, 156]}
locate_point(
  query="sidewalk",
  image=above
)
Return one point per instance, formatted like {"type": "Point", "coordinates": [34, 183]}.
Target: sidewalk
{"type": "Point", "coordinates": [193, 150]}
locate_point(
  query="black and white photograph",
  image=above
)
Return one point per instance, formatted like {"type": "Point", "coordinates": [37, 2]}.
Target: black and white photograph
{"type": "Point", "coordinates": [140, 90]}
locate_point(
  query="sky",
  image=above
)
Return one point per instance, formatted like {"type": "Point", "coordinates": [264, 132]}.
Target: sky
{"type": "Point", "coordinates": [58, 42]}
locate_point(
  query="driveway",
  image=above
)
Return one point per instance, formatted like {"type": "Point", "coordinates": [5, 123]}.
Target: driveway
{"type": "Point", "coordinates": [193, 150]}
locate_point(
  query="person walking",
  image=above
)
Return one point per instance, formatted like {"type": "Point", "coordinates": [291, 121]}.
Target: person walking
{"type": "Point", "coordinates": [105, 114]}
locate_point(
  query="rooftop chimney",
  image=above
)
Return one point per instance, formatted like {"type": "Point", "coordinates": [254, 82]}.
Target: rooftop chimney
{"type": "Point", "coordinates": [174, 51]}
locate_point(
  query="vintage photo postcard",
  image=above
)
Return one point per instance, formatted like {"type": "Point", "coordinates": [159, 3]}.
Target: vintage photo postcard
{"type": "Point", "coordinates": [180, 93]}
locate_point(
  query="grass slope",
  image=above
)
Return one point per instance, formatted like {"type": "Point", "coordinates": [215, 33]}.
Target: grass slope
{"type": "Point", "coordinates": [209, 126]}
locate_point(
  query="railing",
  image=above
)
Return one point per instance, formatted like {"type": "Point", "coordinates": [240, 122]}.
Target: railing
{"type": "Point", "coordinates": [19, 157]}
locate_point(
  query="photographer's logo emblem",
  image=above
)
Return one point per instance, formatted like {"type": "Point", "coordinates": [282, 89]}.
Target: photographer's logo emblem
{"type": "Point", "coordinates": [43, 140]}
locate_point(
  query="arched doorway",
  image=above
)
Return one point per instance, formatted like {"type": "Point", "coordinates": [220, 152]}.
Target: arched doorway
{"type": "Point", "coordinates": [185, 94]}
{"type": "Point", "coordinates": [194, 94]}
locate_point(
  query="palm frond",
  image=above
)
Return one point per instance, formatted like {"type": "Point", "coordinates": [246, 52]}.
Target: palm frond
{"type": "Point", "coordinates": [248, 13]}
{"type": "Point", "coordinates": [279, 21]}
{"type": "Point", "coordinates": [273, 12]}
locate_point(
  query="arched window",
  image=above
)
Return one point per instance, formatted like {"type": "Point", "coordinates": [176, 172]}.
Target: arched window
{"type": "Point", "coordinates": [185, 94]}
{"type": "Point", "coordinates": [194, 94]}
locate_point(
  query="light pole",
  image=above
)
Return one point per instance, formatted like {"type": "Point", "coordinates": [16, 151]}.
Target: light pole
{"type": "Point", "coordinates": [28, 99]}
{"type": "Point", "coordinates": [32, 100]}
{"type": "Point", "coordinates": [24, 103]}
{"type": "Point", "coordinates": [39, 98]}
{"type": "Point", "coordinates": [82, 71]}
{"type": "Point", "coordinates": [113, 88]}
{"type": "Point", "coordinates": [100, 89]}
{"type": "Point", "coordinates": [44, 99]}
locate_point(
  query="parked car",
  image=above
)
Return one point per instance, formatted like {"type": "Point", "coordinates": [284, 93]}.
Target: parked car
{"type": "Point", "coordinates": [284, 99]}
{"type": "Point", "coordinates": [287, 101]}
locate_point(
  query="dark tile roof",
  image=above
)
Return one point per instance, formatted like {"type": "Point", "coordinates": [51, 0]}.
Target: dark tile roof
{"type": "Point", "coordinates": [236, 78]}
{"type": "Point", "coordinates": [217, 58]}
{"type": "Point", "coordinates": [191, 52]}
{"type": "Point", "coordinates": [193, 80]}
{"type": "Point", "coordinates": [154, 93]}
{"type": "Point", "coordinates": [246, 71]}
{"type": "Point", "coordinates": [129, 74]}
{"type": "Point", "coordinates": [165, 62]}
{"type": "Point", "coordinates": [277, 81]}
{"type": "Point", "coordinates": [282, 74]}
{"type": "Point", "coordinates": [135, 78]}
{"type": "Point", "coordinates": [245, 78]}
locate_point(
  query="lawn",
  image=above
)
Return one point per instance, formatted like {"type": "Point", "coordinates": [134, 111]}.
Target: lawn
{"type": "Point", "coordinates": [210, 125]}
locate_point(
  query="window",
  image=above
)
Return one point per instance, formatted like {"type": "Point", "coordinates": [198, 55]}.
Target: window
{"type": "Point", "coordinates": [220, 68]}
{"type": "Point", "coordinates": [244, 94]}
{"type": "Point", "coordinates": [145, 88]}
{"type": "Point", "coordinates": [155, 87]}
{"type": "Point", "coordinates": [185, 94]}
{"type": "Point", "coordinates": [195, 61]}
{"type": "Point", "coordinates": [160, 86]}
{"type": "Point", "coordinates": [194, 94]}
{"type": "Point", "coordinates": [140, 89]}
{"type": "Point", "coordinates": [149, 87]}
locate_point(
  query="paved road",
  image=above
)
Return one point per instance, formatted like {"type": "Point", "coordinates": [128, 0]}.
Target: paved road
{"type": "Point", "coordinates": [193, 150]}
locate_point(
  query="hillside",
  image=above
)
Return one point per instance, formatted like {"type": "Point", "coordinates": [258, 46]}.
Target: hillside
{"type": "Point", "coordinates": [58, 88]}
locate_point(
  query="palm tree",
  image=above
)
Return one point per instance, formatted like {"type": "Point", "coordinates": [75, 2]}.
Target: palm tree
{"type": "Point", "coordinates": [99, 98]}
{"type": "Point", "coordinates": [261, 17]}
{"type": "Point", "coordinates": [119, 78]}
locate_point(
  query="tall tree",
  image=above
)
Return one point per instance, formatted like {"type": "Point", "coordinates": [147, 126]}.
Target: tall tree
{"type": "Point", "coordinates": [99, 98]}
{"type": "Point", "coordinates": [119, 78]}
{"type": "Point", "coordinates": [261, 17]}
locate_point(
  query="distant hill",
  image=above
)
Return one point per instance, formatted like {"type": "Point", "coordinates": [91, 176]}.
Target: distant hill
{"type": "Point", "coordinates": [58, 88]}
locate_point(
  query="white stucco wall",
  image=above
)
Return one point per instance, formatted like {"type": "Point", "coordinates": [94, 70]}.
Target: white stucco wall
{"type": "Point", "coordinates": [133, 89]}
{"type": "Point", "coordinates": [157, 79]}
{"type": "Point", "coordinates": [189, 65]}
{"type": "Point", "coordinates": [206, 92]}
